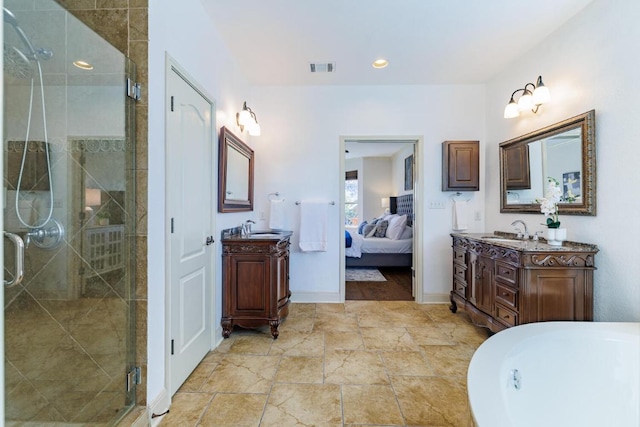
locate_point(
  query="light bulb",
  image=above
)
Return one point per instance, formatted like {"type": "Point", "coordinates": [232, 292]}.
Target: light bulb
{"type": "Point", "coordinates": [511, 110]}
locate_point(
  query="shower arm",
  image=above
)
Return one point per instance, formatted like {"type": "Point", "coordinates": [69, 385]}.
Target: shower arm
{"type": "Point", "coordinates": [10, 19]}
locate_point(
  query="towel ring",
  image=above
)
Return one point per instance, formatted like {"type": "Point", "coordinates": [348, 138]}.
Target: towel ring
{"type": "Point", "coordinates": [275, 196]}
{"type": "Point", "coordinates": [458, 194]}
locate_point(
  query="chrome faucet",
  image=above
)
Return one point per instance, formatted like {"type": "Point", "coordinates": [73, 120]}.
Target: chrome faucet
{"type": "Point", "coordinates": [246, 227]}
{"type": "Point", "coordinates": [521, 234]}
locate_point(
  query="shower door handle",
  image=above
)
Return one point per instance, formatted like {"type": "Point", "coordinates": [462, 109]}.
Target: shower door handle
{"type": "Point", "coordinates": [19, 273]}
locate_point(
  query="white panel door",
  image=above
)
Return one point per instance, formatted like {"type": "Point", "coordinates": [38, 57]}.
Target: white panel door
{"type": "Point", "coordinates": [190, 187]}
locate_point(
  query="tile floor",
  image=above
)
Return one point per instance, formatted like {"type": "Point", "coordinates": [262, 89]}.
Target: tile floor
{"type": "Point", "coordinates": [361, 363]}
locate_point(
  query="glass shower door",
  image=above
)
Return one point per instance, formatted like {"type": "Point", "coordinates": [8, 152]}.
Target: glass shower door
{"type": "Point", "coordinates": [69, 194]}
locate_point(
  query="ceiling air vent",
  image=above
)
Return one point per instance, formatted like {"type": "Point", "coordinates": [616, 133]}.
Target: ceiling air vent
{"type": "Point", "coordinates": [322, 67]}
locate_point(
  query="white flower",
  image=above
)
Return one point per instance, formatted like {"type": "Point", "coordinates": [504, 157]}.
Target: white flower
{"type": "Point", "coordinates": [549, 203]}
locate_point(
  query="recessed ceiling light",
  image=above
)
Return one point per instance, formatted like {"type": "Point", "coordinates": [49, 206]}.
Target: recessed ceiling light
{"type": "Point", "coordinates": [380, 63]}
{"type": "Point", "coordinates": [83, 65]}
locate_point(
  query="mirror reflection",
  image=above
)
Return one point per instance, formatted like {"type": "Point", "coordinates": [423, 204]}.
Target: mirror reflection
{"type": "Point", "coordinates": [558, 157]}
{"type": "Point", "coordinates": [564, 151]}
{"type": "Point", "coordinates": [235, 179]}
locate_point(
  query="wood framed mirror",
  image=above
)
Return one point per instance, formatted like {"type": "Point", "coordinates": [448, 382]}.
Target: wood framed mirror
{"type": "Point", "coordinates": [565, 151]}
{"type": "Point", "coordinates": [235, 174]}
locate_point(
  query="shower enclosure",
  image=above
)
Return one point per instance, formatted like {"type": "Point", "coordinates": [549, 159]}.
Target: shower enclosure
{"type": "Point", "coordinates": [69, 196]}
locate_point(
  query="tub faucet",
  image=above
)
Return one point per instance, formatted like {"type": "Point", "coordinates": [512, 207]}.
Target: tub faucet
{"type": "Point", "coordinates": [521, 234]}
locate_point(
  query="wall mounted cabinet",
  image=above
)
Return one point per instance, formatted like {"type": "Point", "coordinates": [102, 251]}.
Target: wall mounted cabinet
{"type": "Point", "coordinates": [460, 166]}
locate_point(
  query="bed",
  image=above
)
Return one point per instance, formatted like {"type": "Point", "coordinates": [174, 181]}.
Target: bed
{"type": "Point", "coordinates": [383, 251]}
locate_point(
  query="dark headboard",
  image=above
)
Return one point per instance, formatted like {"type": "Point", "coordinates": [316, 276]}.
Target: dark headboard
{"type": "Point", "coordinates": [402, 205]}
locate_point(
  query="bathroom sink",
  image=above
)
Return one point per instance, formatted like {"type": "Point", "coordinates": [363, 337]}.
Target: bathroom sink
{"type": "Point", "coordinates": [263, 234]}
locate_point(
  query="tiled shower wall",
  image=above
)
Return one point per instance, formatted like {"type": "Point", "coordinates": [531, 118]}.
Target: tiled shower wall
{"type": "Point", "coordinates": [123, 23]}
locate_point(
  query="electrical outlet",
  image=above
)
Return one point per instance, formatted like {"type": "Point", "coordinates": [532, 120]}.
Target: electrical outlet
{"type": "Point", "coordinates": [436, 204]}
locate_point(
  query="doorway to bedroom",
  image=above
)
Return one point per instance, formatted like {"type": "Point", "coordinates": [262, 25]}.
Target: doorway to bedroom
{"type": "Point", "coordinates": [380, 179]}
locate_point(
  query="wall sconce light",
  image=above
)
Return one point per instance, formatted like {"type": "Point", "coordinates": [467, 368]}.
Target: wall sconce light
{"type": "Point", "coordinates": [528, 100]}
{"type": "Point", "coordinates": [247, 118]}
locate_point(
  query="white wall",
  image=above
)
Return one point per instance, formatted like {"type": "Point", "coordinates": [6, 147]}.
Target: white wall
{"type": "Point", "coordinates": [376, 180]}
{"type": "Point", "coordinates": [397, 178]}
{"type": "Point", "coordinates": [299, 156]}
{"type": "Point", "coordinates": [587, 64]}
{"type": "Point", "coordinates": [183, 30]}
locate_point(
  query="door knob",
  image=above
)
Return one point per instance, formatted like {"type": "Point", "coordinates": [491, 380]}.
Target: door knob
{"type": "Point", "coordinates": [209, 240]}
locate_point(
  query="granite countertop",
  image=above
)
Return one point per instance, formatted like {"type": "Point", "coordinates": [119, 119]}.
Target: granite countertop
{"type": "Point", "coordinates": [233, 234]}
{"type": "Point", "coordinates": [510, 240]}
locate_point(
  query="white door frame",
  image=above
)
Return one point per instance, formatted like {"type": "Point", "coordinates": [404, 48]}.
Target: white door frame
{"type": "Point", "coordinates": [418, 185]}
{"type": "Point", "coordinates": [171, 65]}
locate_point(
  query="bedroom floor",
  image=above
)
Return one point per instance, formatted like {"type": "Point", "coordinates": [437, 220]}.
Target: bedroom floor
{"type": "Point", "coordinates": [397, 286]}
{"type": "Point", "coordinates": [359, 363]}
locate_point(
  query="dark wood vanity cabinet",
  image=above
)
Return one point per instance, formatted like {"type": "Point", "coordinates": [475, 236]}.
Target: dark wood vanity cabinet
{"type": "Point", "coordinates": [460, 166]}
{"type": "Point", "coordinates": [501, 286]}
{"type": "Point", "coordinates": [255, 282]}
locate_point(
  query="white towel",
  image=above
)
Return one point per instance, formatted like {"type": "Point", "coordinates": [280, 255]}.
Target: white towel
{"type": "Point", "coordinates": [459, 215]}
{"type": "Point", "coordinates": [313, 226]}
{"type": "Point", "coordinates": [276, 214]}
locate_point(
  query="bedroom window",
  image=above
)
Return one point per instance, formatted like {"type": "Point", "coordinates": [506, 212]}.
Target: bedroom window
{"type": "Point", "coordinates": [351, 198]}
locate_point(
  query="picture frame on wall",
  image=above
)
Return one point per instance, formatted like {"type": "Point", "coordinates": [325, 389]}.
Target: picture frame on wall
{"type": "Point", "coordinates": [408, 173]}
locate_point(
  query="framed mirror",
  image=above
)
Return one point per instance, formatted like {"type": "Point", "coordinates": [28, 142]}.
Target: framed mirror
{"type": "Point", "coordinates": [565, 151]}
{"type": "Point", "coordinates": [235, 174]}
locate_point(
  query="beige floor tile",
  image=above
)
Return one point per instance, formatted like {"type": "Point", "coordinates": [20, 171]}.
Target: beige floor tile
{"type": "Point", "coordinates": [370, 404]}
{"type": "Point", "coordinates": [198, 377]}
{"type": "Point", "coordinates": [406, 363]}
{"type": "Point", "coordinates": [303, 405]}
{"type": "Point", "coordinates": [298, 344]}
{"type": "Point", "coordinates": [430, 334]}
{"type": "Point", "coordinates": [388, 339]}
{"type": "Point", "coordinates": [362, 363]}
{"type": "Point", "coordinates": [448, 360]}
{"type": "Point", "coordinates": [298, 369]}
{"type": "Point", "coordinates": [242, 373]}
{"type": "Point", "coordinates": [432, 401]}
{"type": "Point", "coordinates": [234, 410]}
{"type": "Point", "coordinates": [330, 308]}
{"type": "Point", "coordinates": [186, 409]}
{"type": "Point", "coordinates": [251, 344]}
{"type": "Point", "coordinates": [299, 324]}
{"type": "Point", "coordinates": [343, 340]}
{"type": "Point", "coordinates": [302, 310]}
{"type": "Point", "coordinates": [465, 333]}
{"type": "Point", "coordinates": [333, 321]}
{"type": "Point", "coordinates": [354, 367]}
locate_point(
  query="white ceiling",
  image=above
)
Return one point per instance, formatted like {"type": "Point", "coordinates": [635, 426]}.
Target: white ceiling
{"type": "Point", "coordinates": [426, 41]}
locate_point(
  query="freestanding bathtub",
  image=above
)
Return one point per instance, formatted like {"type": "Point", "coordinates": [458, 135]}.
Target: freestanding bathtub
{"type": "Point", "coordinates": [561, 374]}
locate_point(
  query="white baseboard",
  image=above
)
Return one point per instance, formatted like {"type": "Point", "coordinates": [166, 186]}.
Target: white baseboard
{"type": "Point", "coordinates": [435, 299]}
{"type": "Point", "coordinates": [316, 297]}
{"type": "Point", "coordinates": [160, 404]}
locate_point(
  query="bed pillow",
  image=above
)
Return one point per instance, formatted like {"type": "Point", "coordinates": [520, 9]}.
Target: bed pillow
{"type": "Point", "coordinates": [407, 233]}
{"type": "Point", "coordinates": [361, 227]}
{"type": "Point", "coordinates": [396, 227]}
{"type": "Point", "coordinates": [381, 229]}
{"type": "Point", "coordinates": [368, 229]}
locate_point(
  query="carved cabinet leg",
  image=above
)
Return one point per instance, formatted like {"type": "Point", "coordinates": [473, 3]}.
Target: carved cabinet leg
{"type": "Point", "coordinates": [453, 307]}
{"type": "Point", "coordinates": [274, 328]}
{"type": "Point", "coordinates": [227, 327]}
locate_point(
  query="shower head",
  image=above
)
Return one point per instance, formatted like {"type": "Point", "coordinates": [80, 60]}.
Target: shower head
{"type": "Point", "coordinates": [9, 17]}
{"type": "Point", "coordinates": [32, 53]}
{"type": "Point", "coordinates": [16, 63]}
